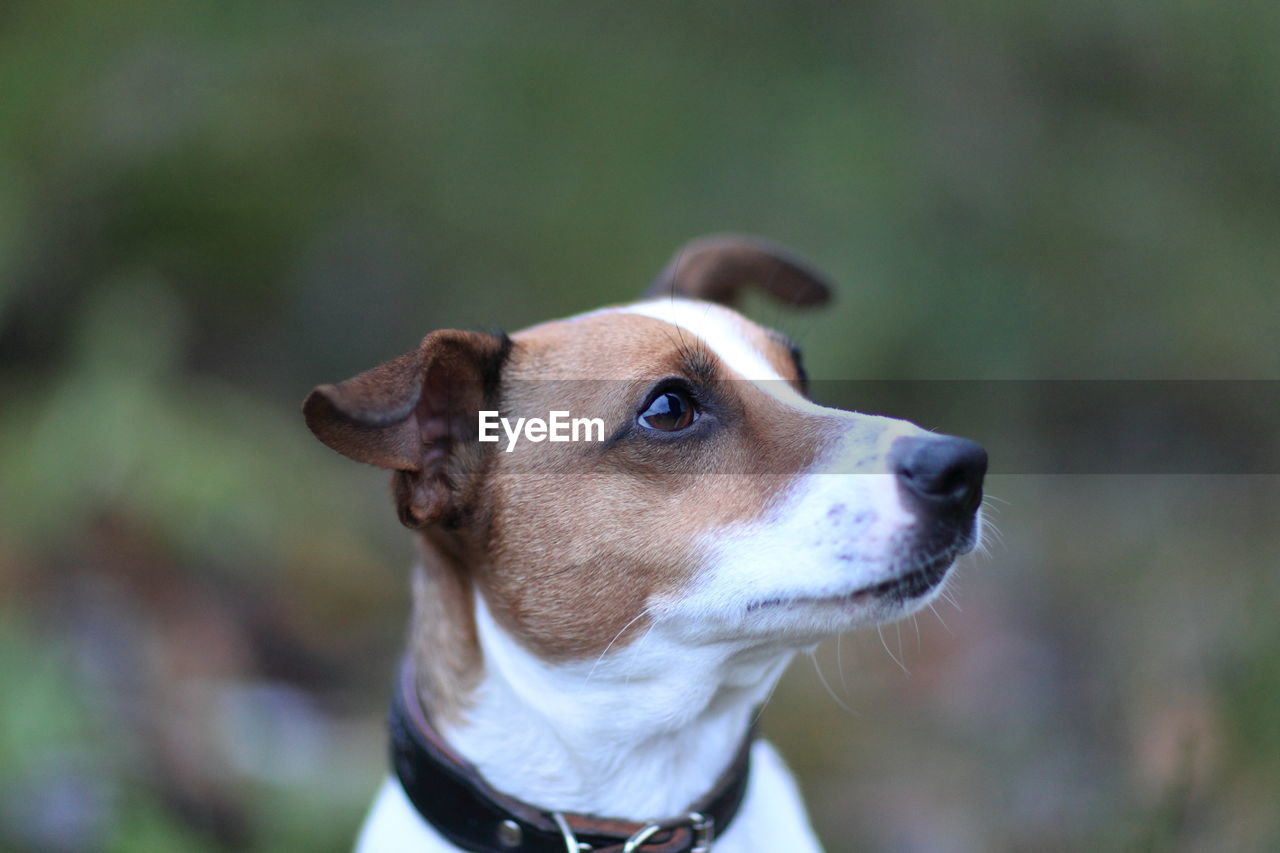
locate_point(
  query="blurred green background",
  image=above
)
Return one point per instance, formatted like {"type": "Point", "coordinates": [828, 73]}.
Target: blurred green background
{"type": "Point", "coordinates": [208, 208]}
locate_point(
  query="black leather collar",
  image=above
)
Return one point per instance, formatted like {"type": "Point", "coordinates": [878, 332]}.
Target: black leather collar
{"type": "Point", "coordinates": [450, 795]}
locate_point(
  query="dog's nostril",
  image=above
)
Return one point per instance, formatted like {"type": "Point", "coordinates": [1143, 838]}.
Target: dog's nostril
{"type": "Point", "coordinates": [944, 473]}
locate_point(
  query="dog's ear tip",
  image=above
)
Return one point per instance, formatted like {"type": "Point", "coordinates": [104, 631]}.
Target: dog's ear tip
{"type": "Point", "coordinates": [380, 397]}
{"type": "Point", "coordinates": [811, 290]}
{"type": "Point", "coordinates": [318, 407]}
{"type": "Point", "coordinates": [318, 395]}
{"type": "Point", "coordinates": [383, 416]}
{"type": "Point", "coordinates": [718, 266]}
{"type": "Point", "coordinates": [325, 405]}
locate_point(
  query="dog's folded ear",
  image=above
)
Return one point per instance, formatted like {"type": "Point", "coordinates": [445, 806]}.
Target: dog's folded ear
{"type": "Point", "coordinates": [409, 414]}
{"type": "Point", "coordinates": [717, 268]}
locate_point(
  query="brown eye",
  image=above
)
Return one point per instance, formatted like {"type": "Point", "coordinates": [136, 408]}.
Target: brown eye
{"type": "Point", "coordinates": [669, 411]}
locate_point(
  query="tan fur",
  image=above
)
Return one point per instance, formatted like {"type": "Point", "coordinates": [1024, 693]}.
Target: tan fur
{"type": "Point", "coordinates": [442, 635]}
{"type": "Point", "coordinates": [582, 536]}
{"type": "Point", "coordinates": [571, 540]}
{"type": "Point", "coordinates": [568, 542]}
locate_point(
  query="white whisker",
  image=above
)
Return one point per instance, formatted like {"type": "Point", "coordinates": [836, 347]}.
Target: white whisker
{"type": "Point", "coordinates": [623, 630]}
{"type": "Point", "coordinates": [942, 621]}
{"type": "Point", "coordinates": [813, 657]}
{"type": "Point", "coordinates": [844, 685]}
{"type": "Point", "coordinates": [888, 652]}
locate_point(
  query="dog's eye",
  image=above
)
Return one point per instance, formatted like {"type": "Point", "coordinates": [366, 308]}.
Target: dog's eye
{"type": "Point", "coordinates": [668, 411]}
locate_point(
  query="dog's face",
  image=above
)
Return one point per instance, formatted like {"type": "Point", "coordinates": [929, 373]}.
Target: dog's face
{"type": "Point", "coordinates": [721, 500]}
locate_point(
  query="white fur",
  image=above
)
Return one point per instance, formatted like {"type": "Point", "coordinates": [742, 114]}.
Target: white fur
{"type": "Point", "coordinates": [722, 331]}
{"type": "Point", "coordinates": [838, 530]}
{"type": "Point", "coordinates": [646, 729]}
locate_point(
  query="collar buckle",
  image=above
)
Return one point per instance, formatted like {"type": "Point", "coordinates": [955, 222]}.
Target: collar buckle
{"type": "Point", "coordinates": [704, 832]}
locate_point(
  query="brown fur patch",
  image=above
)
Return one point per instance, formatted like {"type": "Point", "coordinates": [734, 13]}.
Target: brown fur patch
{"type": "Point", "coordinates": [569, 542]}
{"type": "Point", "coordinates": [442, 635]}
{"type": "Point", "coordinates": [583, 535]}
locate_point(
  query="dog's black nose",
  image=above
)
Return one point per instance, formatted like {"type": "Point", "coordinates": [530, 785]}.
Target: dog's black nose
{"type": "Point", "coordinates": [942, 475]}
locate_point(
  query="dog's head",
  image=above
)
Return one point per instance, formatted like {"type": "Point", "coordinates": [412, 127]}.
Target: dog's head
{"type": "Point", "coordinates": [720, 500]}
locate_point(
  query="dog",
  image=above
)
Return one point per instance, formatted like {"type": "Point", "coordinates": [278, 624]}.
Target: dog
{"type": "Point", "coordinates": [596, 622]}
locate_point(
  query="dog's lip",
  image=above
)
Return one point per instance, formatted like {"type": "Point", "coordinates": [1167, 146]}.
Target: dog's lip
{"type": "Point", "coordinates": [912, 583]}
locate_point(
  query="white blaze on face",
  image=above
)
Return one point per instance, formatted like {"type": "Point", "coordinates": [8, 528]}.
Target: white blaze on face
{"type": "Point", "coordinates": [726, 334]}
{"type": "Point", "coordinates": [840, 527]}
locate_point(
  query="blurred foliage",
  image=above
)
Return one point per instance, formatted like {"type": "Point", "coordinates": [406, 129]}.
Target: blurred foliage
{"type": "Point", "coordinates": [207, 208]}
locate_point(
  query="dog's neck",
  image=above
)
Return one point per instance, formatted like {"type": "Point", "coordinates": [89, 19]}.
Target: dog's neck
{"type": "Point", "coordinates": [641, 732]}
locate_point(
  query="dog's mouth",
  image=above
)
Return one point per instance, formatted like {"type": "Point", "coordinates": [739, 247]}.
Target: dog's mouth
{"type": "Point", "coordinates": [913, 583]}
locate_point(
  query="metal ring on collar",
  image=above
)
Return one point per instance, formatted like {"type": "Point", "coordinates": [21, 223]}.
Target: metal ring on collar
{"type": "Point", "coordinates": [702, 826]}
{"type": "Point", "coordinates": [641, 836]}
{"type": "Point", "coordinates": [571, 842]}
